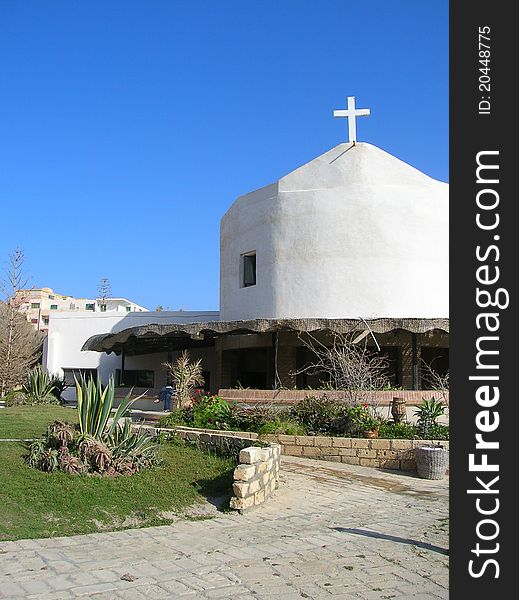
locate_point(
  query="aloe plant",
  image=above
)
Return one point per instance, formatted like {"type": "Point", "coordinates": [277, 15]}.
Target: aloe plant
{"type": "Point", "coordinates": [62, 432]}
{"type": "Point", "coordinates": [95, 453]}
{"type": "Point", "coordinates": [42, 456]}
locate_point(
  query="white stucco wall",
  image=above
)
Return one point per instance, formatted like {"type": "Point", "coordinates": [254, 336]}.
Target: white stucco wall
{"type": "Point", "coordinates": [120, 305]}
{"type": "Point", "coordinates": [355, 232]}
{"type": "Point", "coordinates": [68, 331]}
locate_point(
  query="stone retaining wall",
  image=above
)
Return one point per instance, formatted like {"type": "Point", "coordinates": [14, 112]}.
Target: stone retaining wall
{"type": "Point", "coordinates": [381, 453]}
{"type": "Point", "coordinates": [256, 477]}
{"type": "Point", "coordinates": [378, 452]}
{"type": "Point", "coordinates": [248, 435]}
{"type": "Point", "coordinates": [227, 442]}
{"type": "Point", "coordinates": [257, 474]}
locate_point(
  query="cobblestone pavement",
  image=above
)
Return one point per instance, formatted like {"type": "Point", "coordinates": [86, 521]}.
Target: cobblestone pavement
{"type": "Point", "coordinates": [330, 531]}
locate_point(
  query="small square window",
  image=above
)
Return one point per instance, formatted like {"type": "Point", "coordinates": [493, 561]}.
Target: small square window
{"type": "Point", "coordinates": [128, 308]}
{"type": "Point", "coordinates": [35, 305]}
{"type": "Point", "coordinates": [102, 307]}
{"type": "Point", "coordinates": [248, 269]}
{"type": "Point", "coordinates": [54, 307]}
{"type": "Point", "coordinates": [51, 297]}
{"type": "Point", "coordinates": [90, 306]}
{"type": "Point", "coordinates": [45, 320]}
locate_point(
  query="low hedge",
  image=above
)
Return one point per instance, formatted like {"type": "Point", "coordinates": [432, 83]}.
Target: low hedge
{"type": "Point", "coordinates": [315, 415]}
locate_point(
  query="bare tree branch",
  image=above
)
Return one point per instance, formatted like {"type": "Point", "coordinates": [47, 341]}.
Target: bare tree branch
{"type": "Point", "coordinates": [435, 380]}
{"type": "Point", "coordinates": [20, 344]}
{"type": "Point", "coordinates": [350, 366]}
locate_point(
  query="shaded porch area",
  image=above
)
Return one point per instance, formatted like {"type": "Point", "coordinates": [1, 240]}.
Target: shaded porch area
{"type": "Point", "coordinates": [270, 354]}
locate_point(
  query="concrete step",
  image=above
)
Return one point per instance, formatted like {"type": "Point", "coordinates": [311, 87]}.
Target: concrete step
{"type": "Point", "coordinates": [147, 416]}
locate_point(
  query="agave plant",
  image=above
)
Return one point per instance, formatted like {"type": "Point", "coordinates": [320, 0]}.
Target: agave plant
{"type": "Point", "coordinates": [132, 445]}
{"type": "Point", "coordinates": [38, 387]}
{"type": "Point", "coordinates": [95, 405]}
{"type": "Point", "coordinates": [59, 386]}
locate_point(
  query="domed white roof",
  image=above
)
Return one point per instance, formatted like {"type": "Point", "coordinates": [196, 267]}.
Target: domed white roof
{"type": "Point", "coordinates": [355, 232]}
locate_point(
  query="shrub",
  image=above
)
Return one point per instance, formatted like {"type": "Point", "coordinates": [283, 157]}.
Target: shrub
{"type": "Point", "coordinates": [347, 365]}
{"type": "Point", "coordinates": [322, 415]}
{"type": "Point", "coordinates": [213, 412]}
{"type": "Point", "coordinates": [186, 376]}
{"type": "Point", "coordinates": [15, 398]}
{"type": "Point", "coordinates": [97, 444]}
{"type": "Point", "coordinates": [360, 418]}
{"type": "Point", "coordinates": [390, 430]}
{"type": "Point", "coordinates": [438, 432]}
{"type": "Point", "coordinates": [283, 427]}
{"type": "Point", "coordinates": [175, 417]}
{"type": "Point", "coordinates": [319, 414]}
{"type": "Point", "coordinates": [207, 412]}
{"type": "Point", "coordinates": [252, 418]}
{"type": "Point", "coordinates": [58, 386]}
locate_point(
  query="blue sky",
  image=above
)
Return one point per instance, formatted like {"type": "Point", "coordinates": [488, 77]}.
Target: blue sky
{"type": "Point", "coordinates": [128, 127]}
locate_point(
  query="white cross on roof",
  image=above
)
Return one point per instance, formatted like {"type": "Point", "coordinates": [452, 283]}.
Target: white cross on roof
{"type": "Point", "coordinates": [352, 113]}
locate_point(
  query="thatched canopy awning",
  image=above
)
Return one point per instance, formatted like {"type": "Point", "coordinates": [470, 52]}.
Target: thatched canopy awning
{"type": "Point", "coordinates": [155, 337]}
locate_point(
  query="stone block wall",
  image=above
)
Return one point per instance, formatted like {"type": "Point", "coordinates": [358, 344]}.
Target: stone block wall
{"type": "Point", "coordinates": [183, 431]}
{"type": "Point", "coordinates": [257, 474]}
{"type": "Point", "coordinates": [227, 442]}
{"type": "Point", "coordinates": [381, 453]}
{"type": "Point", "coordinates": [256, 477]}
{"type": "Point", "coordinates": [378, 452]}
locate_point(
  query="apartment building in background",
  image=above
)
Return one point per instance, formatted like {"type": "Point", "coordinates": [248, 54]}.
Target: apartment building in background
{"type": "Point", "coordinates": [39, 303]}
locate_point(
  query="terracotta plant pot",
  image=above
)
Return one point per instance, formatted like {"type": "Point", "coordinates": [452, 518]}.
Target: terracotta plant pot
{"type": "Point", "coordinates": [371, 434]}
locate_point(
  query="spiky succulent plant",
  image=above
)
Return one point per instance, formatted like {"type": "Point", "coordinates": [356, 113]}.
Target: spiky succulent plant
{"type": "Point", "coordinates": [98, 444]}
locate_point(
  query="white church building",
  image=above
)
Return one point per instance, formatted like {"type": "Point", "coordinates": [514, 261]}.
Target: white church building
{"type": "Point", "coordinates": [354, 239]}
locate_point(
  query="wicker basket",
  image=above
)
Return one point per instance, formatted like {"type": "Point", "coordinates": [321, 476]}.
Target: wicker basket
{"type": "Point", "coordinates": [431, 461]}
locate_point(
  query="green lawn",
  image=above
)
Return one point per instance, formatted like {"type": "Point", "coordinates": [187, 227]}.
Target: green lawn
{"type": "Point", "coordinates": [35, 504]}
{"type": "Point", "coordinates": [31, 421]}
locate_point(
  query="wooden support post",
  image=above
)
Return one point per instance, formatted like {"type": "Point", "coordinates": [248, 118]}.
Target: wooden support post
{"type": "Point", "coordinates": [414, 351]}
{"type": "Point", "coordinates": [121, 382]}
